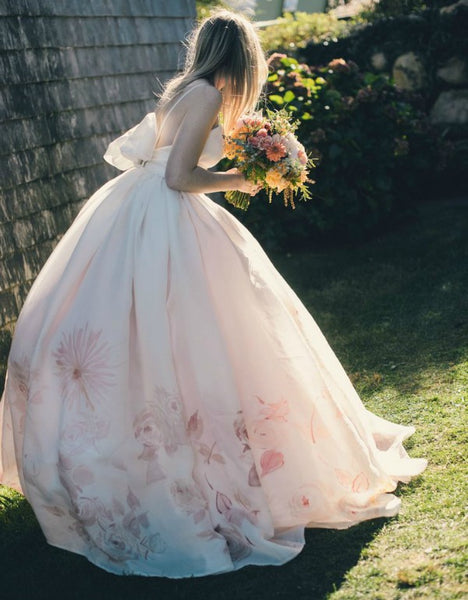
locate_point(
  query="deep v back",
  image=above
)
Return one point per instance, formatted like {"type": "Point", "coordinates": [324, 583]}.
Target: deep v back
{"type": "Point", "coordinates": [139, 145]}
{"type": "Point", "coordinates": [160, 128]}
{"type": "Point", "coordinates": [212, 151]}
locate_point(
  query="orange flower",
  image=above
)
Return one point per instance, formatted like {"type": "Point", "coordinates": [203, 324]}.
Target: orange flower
{"type": "Point", "coordinates": [231, 149]}
{"type": "Point", "coordinates": [275, 180]}
{"type": "Point", "coordinates": [275, 149]}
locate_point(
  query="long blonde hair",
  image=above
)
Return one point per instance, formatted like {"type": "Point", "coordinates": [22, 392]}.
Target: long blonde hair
{"type": "Point", "coordinates": [224, 45]}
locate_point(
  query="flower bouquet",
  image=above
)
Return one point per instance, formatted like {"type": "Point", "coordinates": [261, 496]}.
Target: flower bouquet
{"type": "Point", "coordinates": [268, 153]}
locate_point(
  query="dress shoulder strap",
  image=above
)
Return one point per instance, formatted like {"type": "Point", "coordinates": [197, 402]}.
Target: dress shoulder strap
{"type": "Point", "coordinates": [177, 102]}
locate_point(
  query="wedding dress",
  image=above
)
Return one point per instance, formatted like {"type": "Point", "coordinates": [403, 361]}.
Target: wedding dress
{"type": "Point", "coordinates": [171, 408]}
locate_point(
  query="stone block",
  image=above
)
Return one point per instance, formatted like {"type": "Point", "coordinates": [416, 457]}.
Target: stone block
{"type": "Point", "coordinates": [7, 240]}
{"type": "Point", "coordinates": [8, 307]}
{"type": "Point", "coordinates": [454, 72]}
{"type": "Point", "coordinates": [25, 232]}
{"type": "Point", "coordinates": [450, 110]}
{"type": "Point", "coordinates": [379, 61]}
{"type": "Point", "coordinates": [408, 72]}
{"type": "Point", "coordinates": [453, 8]}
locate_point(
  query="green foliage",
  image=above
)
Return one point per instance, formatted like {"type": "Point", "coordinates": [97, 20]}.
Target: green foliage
{"type": "Point", "coordinates": [395, 8]}
{"type": "Point", "coordinates": [370, 140]}
{"type": "Point", "coordinates": [205, 7]}
{"type": "Point", "coordinates": [295, 31]}
{"type": "Point", "coordinates": [433, 36]}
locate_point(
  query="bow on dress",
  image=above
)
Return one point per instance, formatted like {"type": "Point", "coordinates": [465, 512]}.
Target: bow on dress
{"type": "Point", "coordinates": [135, 147]}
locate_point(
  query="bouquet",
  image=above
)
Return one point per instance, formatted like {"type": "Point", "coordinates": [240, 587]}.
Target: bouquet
{"type": "Point", "coordinates": [268, 153]}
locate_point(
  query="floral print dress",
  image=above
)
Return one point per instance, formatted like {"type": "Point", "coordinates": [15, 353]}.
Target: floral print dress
{"type": "Point", "coordinates": [171, 408]}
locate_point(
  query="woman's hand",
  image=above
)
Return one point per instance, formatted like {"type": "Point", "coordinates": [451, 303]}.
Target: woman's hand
{"type": "Point", "coordinates": [243, 184]}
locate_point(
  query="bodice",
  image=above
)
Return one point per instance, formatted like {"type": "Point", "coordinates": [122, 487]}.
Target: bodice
{"type": "Point", "coordinates": [137, 146]}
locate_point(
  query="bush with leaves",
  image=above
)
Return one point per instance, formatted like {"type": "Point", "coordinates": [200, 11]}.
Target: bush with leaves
{"type": "Point", "coordinates": [371, 142]}
{"type": "Point", "coordinates": [292, 31]}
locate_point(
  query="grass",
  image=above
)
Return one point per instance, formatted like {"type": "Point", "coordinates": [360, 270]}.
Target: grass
{"type": "Point", "coordinates": [395, 310]}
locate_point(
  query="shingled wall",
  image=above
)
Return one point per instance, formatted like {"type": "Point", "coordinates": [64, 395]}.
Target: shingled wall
{"type": "Point", "coordinates": [74, 75]}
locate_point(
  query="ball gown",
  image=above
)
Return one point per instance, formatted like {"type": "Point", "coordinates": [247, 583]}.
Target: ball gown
{"type": "Point", "coordinates": [171, 408]}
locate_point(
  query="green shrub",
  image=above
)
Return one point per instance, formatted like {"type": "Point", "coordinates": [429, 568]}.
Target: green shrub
{"type": "Point", "coordinates": [373, 148]}
{"type": "Point", "coordinates": [204, 7]}
{"type": "Point", "coordinates": [295, 31]}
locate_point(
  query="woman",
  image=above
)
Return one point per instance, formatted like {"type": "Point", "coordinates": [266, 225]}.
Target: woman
{"type": "Point", "coordinates": [171, 408]}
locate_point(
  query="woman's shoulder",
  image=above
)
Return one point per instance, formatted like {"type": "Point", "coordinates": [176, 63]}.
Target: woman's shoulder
{"type": "Point", "coordinates": [205, 91]}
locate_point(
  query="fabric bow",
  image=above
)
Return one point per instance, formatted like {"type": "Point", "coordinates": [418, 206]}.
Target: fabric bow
{"type": "Point", "coordinates": [135, 146]}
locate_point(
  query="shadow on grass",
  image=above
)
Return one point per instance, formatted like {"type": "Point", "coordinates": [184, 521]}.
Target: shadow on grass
{"type": "Point", "coordinates": [34, 570]}
{"type": "Point", "coordinates": [396, 305]}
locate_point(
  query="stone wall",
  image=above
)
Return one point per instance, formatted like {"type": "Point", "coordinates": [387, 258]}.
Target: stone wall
{"type": "Point", "coordinates": [75, 74]}
{"type": "Point", "coordinates": [426, 53]}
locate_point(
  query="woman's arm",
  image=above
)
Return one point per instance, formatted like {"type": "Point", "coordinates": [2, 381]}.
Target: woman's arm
{"type": "Point", "coordinates": [182, 171]}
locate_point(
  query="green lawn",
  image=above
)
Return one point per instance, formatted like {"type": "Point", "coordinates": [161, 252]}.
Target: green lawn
{"type": "Point", "coordinates": [396, 312]}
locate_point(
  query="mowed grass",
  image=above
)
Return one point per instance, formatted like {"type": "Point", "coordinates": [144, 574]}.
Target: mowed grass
{"type": "Point", "coordinates": [395, 310]}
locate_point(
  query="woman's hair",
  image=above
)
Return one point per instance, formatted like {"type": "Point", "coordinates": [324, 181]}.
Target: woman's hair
{"type": "Point", "coordinates": [224, 45]}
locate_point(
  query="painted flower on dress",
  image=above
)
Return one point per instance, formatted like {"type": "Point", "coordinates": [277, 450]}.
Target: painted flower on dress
{"type": "Point", "coordinates": [161, 423]}
{"type": "Point", "coordinates": [195, 426]}
{"type": "Point", "coordinates": [18, 376]}
{"type": "Point", "coordinates": [121, 531]}
{"type": "Point", "coordinates": [308, 502]}
{"type": "Point", "coordinates": [240, 429]}
{"type": "Point", "coordinates": [146, 431]}
{"type": "Point", "coordinates": [274, 411]}
{"type": "Point", "coordinates": [88, 510]}
{"type": "Point", "coordinates": [190, 499]}
{"type": "Point", "coordinates": [207, 449]}
{"type": "Point", "coordinates": [170, 417]}
{"type": "Point", "coordinates": [19, 381]}
{"type": "Point", "coordinates": [357, 483]}
{"type": "Point", "coordinates": [238, 545]}
{"type": "Point", "coordinates": [82, 364]}
{"type": "Point", "coordinates": [82, 433]}
{"type": "Point", "coordinates": [271, 461]}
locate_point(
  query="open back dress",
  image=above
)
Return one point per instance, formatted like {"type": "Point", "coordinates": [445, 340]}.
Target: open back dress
{"type": "Point", "coordinates": [171, 408]}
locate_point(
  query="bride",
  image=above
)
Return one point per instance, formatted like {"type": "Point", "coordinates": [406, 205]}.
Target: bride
{"type": "Point", "coordinates": [171, 408]}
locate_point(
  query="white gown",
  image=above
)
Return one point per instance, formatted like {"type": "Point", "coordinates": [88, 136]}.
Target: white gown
{"type": "Point", "coordinates": [171, 408]}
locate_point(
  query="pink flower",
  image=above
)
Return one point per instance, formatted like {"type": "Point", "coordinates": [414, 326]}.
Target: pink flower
{"type": "Point", "coordinates": [308, 504]}
{"type": "Point", "coordinates": [146, 428]}
{"type": "Point", "coordinates": [262, 132]}
{"type": "Point", "coordinates": [276, 411]}
{"type": "Point", "coordinates": [276, 148]}
{"type": "Point", "coordinates": [255, 141]}
{"type": "Point", "coordinates": [82, 365]}
{"type": "Point", "coordinates": [271, 461]}
{"type": "Point", "coordinates": [302, 156]}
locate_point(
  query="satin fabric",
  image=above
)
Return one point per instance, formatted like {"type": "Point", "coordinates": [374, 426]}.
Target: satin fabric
{"type": "Point", "coordinates": [171, 407]}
